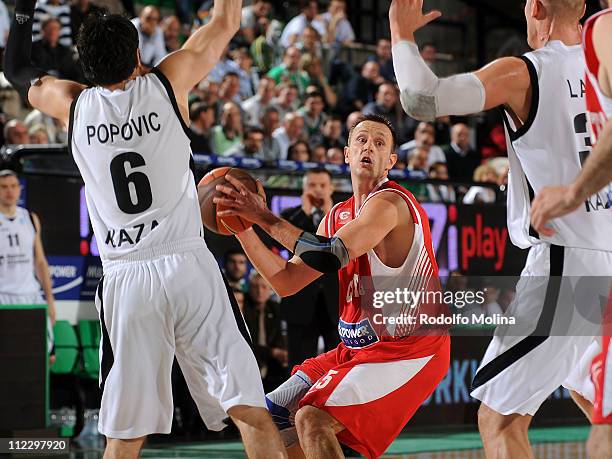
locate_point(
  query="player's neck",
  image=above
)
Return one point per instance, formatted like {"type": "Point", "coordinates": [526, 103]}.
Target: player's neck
{"type": "Point", "coordinates": [8, 211]}
{"type": "Point", "coordinates": [362, 188]}
{"type": "Point", "coordinates": [114, 87]}
{"type": "Point", "coordinates": [568, 34]}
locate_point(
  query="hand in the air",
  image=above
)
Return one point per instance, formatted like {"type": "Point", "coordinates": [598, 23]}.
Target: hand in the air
{"type": "Point", "coordinates": [406, 17]}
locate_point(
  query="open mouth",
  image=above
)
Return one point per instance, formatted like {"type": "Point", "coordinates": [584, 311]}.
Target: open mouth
{"type": "Point", "coordinates": [366, 160]}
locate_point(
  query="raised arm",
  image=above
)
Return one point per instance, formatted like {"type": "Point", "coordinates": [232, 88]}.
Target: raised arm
{"type": "Point", "coordinates": [45, 93]}
{"type": "Point", "coordinates": [189, 65]}
{"type": "Point", "coordinates": [426, 97]}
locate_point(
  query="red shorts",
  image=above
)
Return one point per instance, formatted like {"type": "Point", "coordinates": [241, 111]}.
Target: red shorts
{"type": "Point", "coordinates": [374, 391]}
{"type": "Point", "coordinates": [601, 372]}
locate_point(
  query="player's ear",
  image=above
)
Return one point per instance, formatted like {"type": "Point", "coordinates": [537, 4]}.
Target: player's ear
{"type": "Point", "coordinates": [392, 160]}
{"type": "Point", "coordinates": [346, 154]}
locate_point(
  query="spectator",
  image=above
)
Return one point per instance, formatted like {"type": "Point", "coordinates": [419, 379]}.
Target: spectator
{"type": "Point", "coordinates": [5, 24]}
{"type": "Point", "coordinates": [384, 59]}
{"type": "Point", "coordinates": [150, 36]}
{"type": "Point", "coordinates": [310, 42]}
{"type": "Point", "coordinates": [250, 17]}
{"type": "Point", "coordinates": [425, 137]}
{"type": "Point", "coordinates": [79, 10]}
{"type": "Point", "coordinates": [418, 159]}
{"type": "Point", "coordinates": [362, 88]}
{"type": "Point", "coordinates": [223, 67]}
{"type": "Point", "coordinates": [335, 155]}
{"type": "Point", "coordinates": [289, 70]}
{"type": "Point", "coordinates": [56, 131]}
{"type": "Point", "coordinates": [318, 154]}
{"type": "Point", "coordinates": [290, 132]}
{"type": "Point", "coordinates": [438, 192]}
{"type": "Point", "coordinates": [236, 269]}
{"type": "Point", "coordinates": [52, 57]}
{"type": "Point", "coordinates": [295, 26]}
{"type": "Point", "coordinates": [15, 133]}
{"type": "Point", "coordinates": [270, 122]}
{"type": "Point", "coordinates": [249, 78]}
{"type": "Point", "coordinates": [38, 135]}
{"type": "Point", "coordinates": [338, 28]}
{"type": "Point", "coordinates": [312, 69]}
{"type": "Point", "coordinates": [229, 91]}
{"type": "Point", "coordinates": [240, 300]}
{"type": "Point", "coordinates": [429, 52]}
{"type": "Point", "coordinates": [314, 118]}
{"type": "Point", "coordinates": [229, 133]}
{"type": "Point", "coordinates": [299, 151]}
{"type": "Point", "coordinates": [332, 133]}
{"type": "Point", "coordinates": [312, 312]}
{"type": "Point", "coordinates": [171, 27]}
{"type": "Point", "coordinates": [202, 119]}
{"type": "Point", "coordinates": [263, 320]}
{"type": "Point", "coordinates": [351, 120]}
{"type": "Point", "coordinates": [461, 158]}
{"type": "Point", "coordinates": [251, 146]}
{"type": "Point", "coordinates": [287, 99]}
{"type": "Point", "coordinates": [386, 104]}
{"type": "Point", "coordinates": [262, 48]}
{"type": "Point", "coordinates": [255, 106]}
{"type": "Point", "coordinates": [481, 194]}
{"type": "Point", "coordinates": [59, 9]}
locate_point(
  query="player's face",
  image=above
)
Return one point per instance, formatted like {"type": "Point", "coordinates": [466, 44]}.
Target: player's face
{"type": "Point", "coordinates": [10, 191]}
{"type": "Point", "coordinates": [370, 150]}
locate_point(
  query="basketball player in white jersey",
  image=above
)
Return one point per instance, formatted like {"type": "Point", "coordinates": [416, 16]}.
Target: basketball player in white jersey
{"type": "Point", "coordinates": [162, 293]}
{"type": "Point", "coordinates": [23, 265]}
{"type": "Point", "coordinates": [557, 201]}
{"type": "Point", "coordinates": [542, 97]}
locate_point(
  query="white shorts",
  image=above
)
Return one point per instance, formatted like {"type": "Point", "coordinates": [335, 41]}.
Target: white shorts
{"type": "Point", "coordinates": [558, 314]}
{"type": "Point", "coordinates": [168, 301]}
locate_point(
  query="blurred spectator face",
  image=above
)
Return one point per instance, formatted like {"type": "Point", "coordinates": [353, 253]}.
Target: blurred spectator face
{"type": "Point", "coordinates": [259, 291]}
{"type": "Point", "coordinates": [310, 10]}
{"type": "Point", "coordinates": [253, 142]}
{"type": "Point", "coordinates": [318, 185]}
{"type": "Point", "coordinates": [386, 96]}
{"type": "Point", "coordinates": [230, 117]}
{"type": "Point", "coordinates": [485, 174]}
{"type": "Point", "coordinates": [270, 121]}
{"type": "Point", "coordinates": [239, 295]}
{"type": "Point", "coordinates": [149, 19]}
{"type": "Point", "coordinates": [460, 135]}
{"type": "Point", "coordinates": [332, 129]}
{"type": "Point", "coordinates": [383, 49]}
{"type": "Point", "coordinates": [370, 71]}
{"type": "Point", "coordinates": [172, 28]}
{"type": "Point", "coordinates": [418, 159]}
{"type": "Point", "coordinates": [292, 58]}
{"type": "Point", "coordinates": [310, 38]}
{"type": "Point", "coordinates": [318, 154]}
{"type": "Point", "coordinates": [314, 69]}
{"type": "Point", "coordinates": [16, 133]}
{"type": "Point", "coordinates": [337, 7]}
{"type": "Point", "coordinates": [424, 135]}
{"type": "Point", "coordinates": [294, 125]}
{"type": "Point", "coordinates": [352, 119]}
{"type": "Point", "coordinates": [10, 190]}
{"type": "Point", "coordinates": [230, 87]}
{"type": "Point", "coordinates": [51, 32]}
{"type": "Point", "coordinates": [243, 59]}
{"type": "Point", "coordinates": [314, 106]}
{"type": "Point", "coordinates": [236, 266]}
{"type": "Point", "coordinates": [300, 152]}
{"type": "Point", "coordinates": [39, 136]}
{"type": "Point", "coordinates": [208, 118]}
{"type": "Point", "coordinates": [261, 8]}
{"type": "Point", "coordinates": [266, 89]}
{"type": "Point", "coordinates": [428, 53]}
{"type": "Point", "coordinates": [439, 171]}
{"type": "Point", "coordinates": [335, 156]}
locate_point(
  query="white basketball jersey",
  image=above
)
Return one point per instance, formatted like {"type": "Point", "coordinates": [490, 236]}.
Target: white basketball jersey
{"type": "Point", "coordinates": [549, 150]}
{"type": "Point", "coordinates": [133, 153]}
{"type": "Point", "coordinates": [17, 235]}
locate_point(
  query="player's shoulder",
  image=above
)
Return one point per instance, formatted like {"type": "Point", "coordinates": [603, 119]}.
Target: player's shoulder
{"type": "Point", "coordinates": [601, 24]}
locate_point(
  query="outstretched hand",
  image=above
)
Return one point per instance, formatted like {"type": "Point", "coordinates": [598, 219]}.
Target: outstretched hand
{"type": "Point", "coordinates": [240, 201]}
{"type": "Point", "coordinates": [551, 202]}
{"type": "Point", "coordinates": [406, 17]}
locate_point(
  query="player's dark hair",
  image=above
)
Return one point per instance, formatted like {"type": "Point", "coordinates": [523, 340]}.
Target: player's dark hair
{"type": "Point", "coordinates": [376, 119]}
{"type": "Point", "coordinates": [8, 173]}
{"type": "Point", "coordinates": [107, 45]}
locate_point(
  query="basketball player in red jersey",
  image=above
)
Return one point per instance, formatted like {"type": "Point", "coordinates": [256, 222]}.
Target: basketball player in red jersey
{"type": "Point", "coordinates": [553, 202]}
{"type": "Point", "coordinates": [362, 393]}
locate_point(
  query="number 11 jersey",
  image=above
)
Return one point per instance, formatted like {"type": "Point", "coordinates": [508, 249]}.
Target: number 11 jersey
{"type": "Point", "coordinates": [133, 151]}
{"type": "Point", "coordinates": [549, 150]}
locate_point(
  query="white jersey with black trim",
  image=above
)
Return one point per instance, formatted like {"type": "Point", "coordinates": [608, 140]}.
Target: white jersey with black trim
{"type": "Point", "coordinates": [549, 150]}
{"type": "Point", "coordinates": [17, 235]}
{"type": "Point", "coordinates": [132, 149]}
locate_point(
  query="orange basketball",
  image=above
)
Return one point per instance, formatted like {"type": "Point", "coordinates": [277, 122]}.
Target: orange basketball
{"type": "Point", "coordinates": [207, 191]}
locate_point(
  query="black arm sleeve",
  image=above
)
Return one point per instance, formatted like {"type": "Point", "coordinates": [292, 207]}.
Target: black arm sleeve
{"type": "Point", "coordinates": [18, 67]}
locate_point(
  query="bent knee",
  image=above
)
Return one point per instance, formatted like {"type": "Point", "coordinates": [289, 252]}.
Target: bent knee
{"type": "Point", "coordinates": [253, 416]}
{"type": "Point", "coordinates": [312, 419]}
{"type": "Point", "coordinates": [493, 423]}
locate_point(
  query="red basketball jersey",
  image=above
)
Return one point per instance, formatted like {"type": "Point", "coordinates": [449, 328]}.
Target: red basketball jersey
{"type": "Point", "coordinates": [599, 106]}
{"type": "Point", "coordinates": [365, 280]}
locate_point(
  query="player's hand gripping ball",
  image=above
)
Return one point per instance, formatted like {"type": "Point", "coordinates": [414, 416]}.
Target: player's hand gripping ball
{"type": "Point", "coordinates": [207, 191]}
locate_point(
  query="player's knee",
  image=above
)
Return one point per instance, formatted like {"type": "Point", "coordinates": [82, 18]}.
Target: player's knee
{"type": "Point", "coordinates": [117, 448]}
{"type": "Point", "coordinates": [599, 445]}
{"type": "Point", "coordinates": [250, 416]}
{"type": "Point", "coordinates": [309, 419]}
{"type": "Point", "coordinates": [490, 422]}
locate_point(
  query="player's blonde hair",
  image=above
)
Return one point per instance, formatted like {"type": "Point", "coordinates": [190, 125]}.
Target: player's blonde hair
{"type": "Point", "coordinates": [566, 8]}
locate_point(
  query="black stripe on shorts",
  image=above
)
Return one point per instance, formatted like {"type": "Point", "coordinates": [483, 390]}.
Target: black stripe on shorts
{"type": "Point", "coordinates": [108, 357]}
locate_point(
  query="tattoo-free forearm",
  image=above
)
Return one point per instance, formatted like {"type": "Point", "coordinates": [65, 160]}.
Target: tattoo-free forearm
{"type": "Point", "coordinates": [44, 277]}
{"type": "Point", "coordinates": [597, 171]}
{"type": "Point", "coordinates": [281, 230]}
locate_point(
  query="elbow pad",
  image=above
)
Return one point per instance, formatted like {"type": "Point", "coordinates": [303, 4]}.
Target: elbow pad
{"type": "Point", "coordinates": [322, 253]}
{"type": "Point", "coordinates": [426, 97]}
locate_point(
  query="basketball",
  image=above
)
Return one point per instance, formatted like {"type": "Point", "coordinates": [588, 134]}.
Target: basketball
{"type": "Point", "coordinates": [226, 226]}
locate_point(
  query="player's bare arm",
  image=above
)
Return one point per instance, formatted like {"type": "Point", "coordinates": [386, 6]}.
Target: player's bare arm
{"type": "Point", "coordinates": [41, 268]}
{"type": "Point", "coordinates": [554, 202]}
{"type": "Point", "coordinates": [48, 94]}
{"type": "Point", "coordinates": [426, 97]}
{"type": "Point", "coordinates": [189, 65]}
